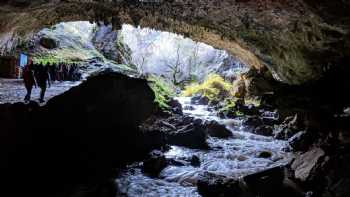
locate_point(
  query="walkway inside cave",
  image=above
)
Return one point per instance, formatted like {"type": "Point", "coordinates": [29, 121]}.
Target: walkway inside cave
{"type": "Point", "coordinates": [13, 90]}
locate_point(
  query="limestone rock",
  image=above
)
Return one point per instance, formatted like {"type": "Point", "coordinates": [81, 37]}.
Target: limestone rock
{"type": "Point", "coordinates": [305, 164]}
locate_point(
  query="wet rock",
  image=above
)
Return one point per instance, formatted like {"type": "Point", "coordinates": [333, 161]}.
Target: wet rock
{"type": "Point", "coordinates": [211, 185]}
{"type": "Point", "coordinates": [176, 162]}
{"type": "Point", "coordinates": [266, 181]}
{"type": "Point", "coordinates": [215, 129]}
{"type": "Point", "coordinates": [307, 163]}
{"type": "Point", "coordinates": [257, 84]}
{"type": "Point", "coordinates": [155, 163]}
{"type": "Point", "coordinates": [249, 110]}
{"type": "Point", "coordinates": [239, 89]}
{"type": "Point", "coordinates": [189, 107]}
{"type": "Point", "coordinates": [200, 100]}
{"type": "Point", "coordinates": [265, 154]}
{"type": "Point", "coordinates": [253, 121]}
{"type": "Point", "coordinates": [48, 43]}
{"type": "Point", "coordinates": [191, 136]}
{"type": "Point", "coordinates": [288, 128]}
{"type": "Point", "coordinates": [195, 161]}
{"type": "Point", "coordinates": [175, 106]}
{"type": "Point", "coordinates": [301, 141]}
{"type": "Point", "coordinates": [264, 130]}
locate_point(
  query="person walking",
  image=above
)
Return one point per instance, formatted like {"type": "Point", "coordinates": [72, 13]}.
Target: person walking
{"type": "Point", "coordinates": [43, 79]}
{"type": "Point", "coordinates": [29, 79]}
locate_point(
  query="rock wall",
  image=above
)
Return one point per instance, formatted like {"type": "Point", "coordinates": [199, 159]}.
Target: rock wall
{"type": "Point", "coordinates": [296, 40]}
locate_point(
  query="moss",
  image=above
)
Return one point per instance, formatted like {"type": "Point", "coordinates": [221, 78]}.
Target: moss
{"type": "Point", "coordinates": [215, 88]}
{"type": "Point", "coordinates": [228, 105]}
{"type": "Point", "coordinates": [163, 91]}
{"type": "Point", "coordinates": [67, 55]}
{"type": "Point", "coordinates": [252, 101]}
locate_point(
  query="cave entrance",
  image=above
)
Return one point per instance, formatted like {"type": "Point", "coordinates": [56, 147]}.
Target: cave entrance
{"type": "Point", "coordinates": [171, 62]}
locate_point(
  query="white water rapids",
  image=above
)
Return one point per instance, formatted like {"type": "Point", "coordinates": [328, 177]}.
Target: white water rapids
{"type": "Point", "coordinates": [233, 157]}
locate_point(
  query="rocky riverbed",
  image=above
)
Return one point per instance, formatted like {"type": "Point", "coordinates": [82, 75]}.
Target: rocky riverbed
{"type": "Point", "coordinates": [232, 156]}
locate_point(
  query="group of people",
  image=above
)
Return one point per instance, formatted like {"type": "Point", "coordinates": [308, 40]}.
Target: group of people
{"type": "Point", "coordinates": [42, 75]}
{"type": "Point", "coordinates": [64, 72]}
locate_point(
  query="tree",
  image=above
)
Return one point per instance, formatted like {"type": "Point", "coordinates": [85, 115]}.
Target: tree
{"type": "Point", "coordinates": [145, 50]}
{"type": "Point", "coordinates": [193, 61]}
{"type": "Point", "coordinates": [176, 67]}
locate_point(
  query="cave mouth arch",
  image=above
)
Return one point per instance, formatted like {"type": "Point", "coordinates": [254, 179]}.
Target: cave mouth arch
{"type": "Point", "coordinates": [30, 19]}
{"type": "Point", "coordinates": [145, 50]}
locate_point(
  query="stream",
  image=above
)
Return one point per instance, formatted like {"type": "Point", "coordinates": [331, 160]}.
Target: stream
{"type": "Point", "coordinates": [232, 157]}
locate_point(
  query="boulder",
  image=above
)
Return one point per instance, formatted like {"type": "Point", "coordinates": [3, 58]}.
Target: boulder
{"type": "Point", "coordinates": [249, 109]}
{"type": "Point", "coordinates": [306, 164]}
{"type": "Point", "coordinates": [82, 134]}
{"type": "Point", "coordinates": [239, 87]}
{"type": "Point", "coordinates": [154, 164]}
{"type": "Point", "coordinates": [211, 185]}
{"type": "Point", "coordinates": [253, 121]}
{"type": "Point", "coordinates": [200, 100]}
{"type": "Point", "coordinates": [48, 43]}
{"type": "Point", "coordinates": [192, 136]}
{"type": "Point", "coordinates": [195, 161]}
{"type": "Point", "coordinates": [301, 141]}
{"type": "Point", "coordinates": [189, 107]}
{"type": "Point", "coordinates": [264, 130]}
{"type": "Point", "coordinates": [215, 129]}
{"type": "Point", "coordinates": [175, 106]}
{"type": "Point", "coordinates": [288, 128]}
{"type": "Point", "coordinates": [265, 182]}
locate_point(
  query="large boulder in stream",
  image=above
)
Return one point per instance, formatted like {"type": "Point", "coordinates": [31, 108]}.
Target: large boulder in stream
{"type": "Point", "coordinates": [155, 163]}
{"type": "Point", "coordinates": [215, 129]}
{"type": "Point", "coordinates": [266, 183]}
{"type": "Point", "coordinates": [79, 135]}
{"type": "Point", "coordinates": [212, 185]}
{"type": "Point", "coordinates": [192, 136]}
{"type": "Point", "coordinates": [178, 130]}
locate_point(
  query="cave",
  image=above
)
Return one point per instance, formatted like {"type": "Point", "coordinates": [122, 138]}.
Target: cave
{"type": "Point", "coordinates": [174, 98]}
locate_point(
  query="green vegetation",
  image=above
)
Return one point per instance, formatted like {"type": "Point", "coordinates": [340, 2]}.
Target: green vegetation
{"type": "Point", "coordinates": [163, 91]}
{"type": "Point", "coordinates": [67, 55]}
{"type": "Point", "coordinates": [215, 88]}
{"type": "Point", "coordinates": [228, 106]}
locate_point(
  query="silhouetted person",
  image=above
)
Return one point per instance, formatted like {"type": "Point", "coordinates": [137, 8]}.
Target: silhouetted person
{"type": "Point", "coordinates": [29, 79]}
{"type": "Point", "coordinates": [52, 71]}
{"type": "Point", "coordinates": [43, 79]}
{"type": "Point", "coordinates": [60, 72]}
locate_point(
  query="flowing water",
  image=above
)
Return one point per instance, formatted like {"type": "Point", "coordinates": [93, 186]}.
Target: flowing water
{"type": "Point", "coordinates": [233, 157]}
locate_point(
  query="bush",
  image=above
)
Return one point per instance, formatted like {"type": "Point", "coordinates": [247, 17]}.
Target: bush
{"type": "Point", "coordinates": [215, 88]}
{"type": "Point", "coordinates": [163, 91]}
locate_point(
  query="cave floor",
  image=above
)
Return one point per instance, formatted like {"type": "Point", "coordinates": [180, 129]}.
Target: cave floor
{"type": "Point", "coordinates": [13, 90]}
